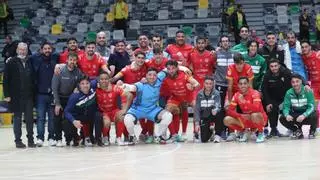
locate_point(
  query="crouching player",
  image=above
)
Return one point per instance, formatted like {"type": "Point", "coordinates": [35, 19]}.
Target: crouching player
{"type": "Point", "coordinates": [206, 108]}
{"type": "Point", "coordinates": [299, 109]}
{"type": "Point", "coordinates": [145, 105]}
{"type": "Point", "coordinates": [107, 96]}
{"type": "Point", "coordinates": [246, 112]}
{"type": "Point", "coordinates": [81, 110]}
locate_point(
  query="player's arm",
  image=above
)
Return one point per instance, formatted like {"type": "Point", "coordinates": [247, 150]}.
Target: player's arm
{"type": "Point", "coordinates": [286, 105]}
{"type": "Point", "coordinates": [232, 109]}
{"type": "Point", "coordinates": [197, 110]}
{"type": "Point", "coordinates": [129, 87]}
{"type": "Point", "coordinates": [118, 76]}
{"type": "Point", "coordinates": [310, 104]}
{"type": "Point", "coordinates": [230, 87]}
{"type": "Point", "coordinates": [69, 107]}
{"type": "Point", "coordinates": [185, 69]}
{"type": "Point", "coordinates": [105, 68]}
{"type": "Point", "coordinates": [255, 105]}
{"type": "Point", "coordinates": [193, 82]}
{"type": "Point", "coordinates": [129, 98]}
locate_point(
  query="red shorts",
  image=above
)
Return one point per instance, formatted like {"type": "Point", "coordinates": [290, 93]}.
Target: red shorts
{"type": "Point", "coordinates": [111, 114]}
{"type": "Point", "coordinates": [316, 91]}
{"type": "Point", "coordinates": [173, 100]}
{"type": "Point", "coordinates": [247, 123]}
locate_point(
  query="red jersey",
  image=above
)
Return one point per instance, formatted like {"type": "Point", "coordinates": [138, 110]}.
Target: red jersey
{"type": "Point", "coordinates": [91, 67]}
{"type": "Point", "coordinates": [312, 64]}
{"type": "Point", "coordinates": [233, 74]}
{"type": "Point", "coordinates": [153, 64]}
{"type": "Point", "coordinates": [248, 103]}
{"type": "Point", "coordinates": [107, 100]}
{"type": "Point", "coordinates": [64, 55]}
{"type": "Point", "coordinates": [176, 52]}
{"type": "Point", "coordinates": [139, 49]}
{"type": "Point", "coordinates": [202, 65]}
{"type": "Point", "coordinates": [177, 87]}
{"type": "Point", "coordinates": [131, 76]}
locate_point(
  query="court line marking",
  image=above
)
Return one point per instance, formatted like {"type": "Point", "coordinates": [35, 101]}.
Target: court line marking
{"type": "Point", "coordinates": [178, 146]}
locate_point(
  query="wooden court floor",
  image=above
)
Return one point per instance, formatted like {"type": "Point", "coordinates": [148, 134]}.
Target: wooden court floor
{"type": "Point", "coordinates": [275, 159]}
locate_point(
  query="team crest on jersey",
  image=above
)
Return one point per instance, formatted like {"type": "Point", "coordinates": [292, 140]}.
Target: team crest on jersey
{"type": "Point", "coordinates": [174, 84]}
{"type": "Point", "coordinates": [206, 60]}
{"type": "Point", "coordinates": [110, 95]}
{"type": "Point", "coordinates": [282, 79]}
{"type": "Point", "coordinates": [94, 66]}
{"type": "Point", "coordinates": [257, 62]}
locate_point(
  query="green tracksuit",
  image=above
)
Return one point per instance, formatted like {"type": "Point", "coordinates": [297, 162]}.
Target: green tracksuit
{"type": "Point", "coordinates": [297, 104]}
{"type": "Point", "coordinates": [240, 48]}
{"type": "Point", "coordinates": [259, 68]}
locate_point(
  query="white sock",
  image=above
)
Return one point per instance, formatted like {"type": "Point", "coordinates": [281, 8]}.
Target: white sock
{"type": "Point", "coordinates": [166, 119]}
{"type": "Point", "coordinates": [129, 123]}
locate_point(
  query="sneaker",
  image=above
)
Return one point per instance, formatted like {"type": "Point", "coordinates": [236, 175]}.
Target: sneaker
{"type": "Point", "coordinates": [120, 142]}
{"type": "Point", "coordinates": [297, 134]}
{"type": "Point", "coordinates": [87, 142]}
{"type": "Point", "coordinates": [132, 140]}
{"type": "Point", "coordinates": [52, 142]}
{"type": "Point", "coordinates": [217, 139]}
{"type": "Point", "coordinates": [254, 135]}
{"type": "Point", "coordinates": [244, 136]}
{"type": "Point", "coordinates": [149, 140]}
{"type": "Point", "coordinates": [75, 143]}
{"type": "Point", "coordinates": [317, 132]}
{"type": "Point", "coordinates": [99, 142]}
{"type": "Point", "coordinates": [159, 140]}
{"type": "Point", "coordinates": [31, 144]}
{"type": "Point", "coordinates": [105, 141]}
{"type": "Point", "coordinates": [289, 133]}
{"type": "Point", "coordinates": [171, 139]}
{"type": "Point", "coordinates": [184, 137]}
{"type": "Point", "coordinates": [126, 139]}
{"type": "Point", "coordinates": [179, 138]}
{"type": "Point", "coordinates": [59, 143]}
{"type": "Point", "coordinates": [274, 133]}
{"type": "Point", "coordinates": [224, 135]}
{"type": "Point", "coordinates": [20, 145]}
{"type": "Point", "coordinates": [39, 143]}
{"type": "Point", "coordinates": [142, 137]}
{"type": "Point", "coordinates": [312, 134]}
{"type": "Point", "coordinates": [260, 138]}
{"type": "Point", "coordinates": [196, 138]}
{"type": "Point", "coordinates": [231, 137]}
{"type": "Point", "coordinates": [266, 131]}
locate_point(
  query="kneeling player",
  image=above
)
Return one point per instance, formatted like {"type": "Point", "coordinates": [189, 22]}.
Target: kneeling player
{"type": "Point", "coordinates": [252, 116]}
{"type": "Point", "coordinates": [206, 108]}
{"type": "Point", "coordinates": [107, 95]}
{"type": "Point", "coordinates": [145, 105]}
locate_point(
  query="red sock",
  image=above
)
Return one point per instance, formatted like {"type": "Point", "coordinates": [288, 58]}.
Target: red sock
{"type": "Point", "coordinates": [184, 118]}
{"type": "Point", "coordinates": [172, 125]}
{"type": "Point", "coordinates": [105, 131]}
{"type": "Point", "coordinates": [150, 127]}
{"type": "Point", "coordinates": [143, 125]}
{"type": "Point", "coordinates": [86, 129]}
{"type": "Point", "coordinates": [177, 123]}
{"type": "Point", "coordinates": [119, 128]}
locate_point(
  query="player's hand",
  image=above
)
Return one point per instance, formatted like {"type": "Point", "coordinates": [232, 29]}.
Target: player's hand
{"type": "Point", "coordinates": [213, 52]}
{"type": "Point", "coordinates": [77, 124]}
{"type": "Point", "coordinates": [289, 118]}
{"type": "Point", "coordinates": [214, 112]}
{"type": "Point", "coordinates": [301, 118]}
{"type": "Point", "coordinates": [226, 105]}
{"type": "Point", "coordinates": [143, 80]}
{"type": "Point", "coordinates": [119, 83]}
{"type": "Point", "coordinates": [196, 128]}
{"type": "Point", "coordinates": [189, 87]}
{"type": "Point", "coordinates": [57, 109]}
{"type": "Point", "coordinates": [57, 69]}
{"type": "Point", "coordinates": [307, 88]}
{"type": "Point", "coordinates": [7, 99]}
{"type": "Point", "coordinates": [269, 107]}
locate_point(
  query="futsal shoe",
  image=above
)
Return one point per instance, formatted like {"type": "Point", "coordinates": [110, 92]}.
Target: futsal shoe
{"type": "Point", "coordinates": [20, 145]}
{"type": "Point", "coordinates": [159, 140]}
{"type": "Point", "coordinates": [132, 140]}
{"type": "Point", "coordinates": [39, 143]}
{"type": "Point", "coordinates": [244, 136]}
{"type": "Point", "coordinates": [260, 138]}
{"type": "Point", "coordinates": [297, 134]}
{"type": "Point", "coordinates": [149, 140]}
{"type": "Point", "coordinates": [99, 142]}
{"type": "Point", "coordinates": [87, 142]}
{"type": "Point", "coordinates": [120, 142]}
{"type": "Point", "coordinates": [312, 134]}
{"type": "Point", "coordinates": [231, 137]}
{"type": "Point", "coordinates": [52, 142]}
{"type": "Point", "coordinates": [59, 143]}
{"type": "Point", "coordinates": [196, 138]}
{"type": "Point", "coordinates": [105, 141]}
{"type": "Point", "coordinates": [217, 139]}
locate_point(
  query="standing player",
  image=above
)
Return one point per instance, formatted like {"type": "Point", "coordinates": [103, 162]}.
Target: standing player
{"type": "Point", "coordinates": [252, 114]}
{"type": "Point", "coordinates": [178, 85]}
{"type": "Point", "coordinates": [257, 63]}
{"type": "Point", "coordinates": [90, 63]}
{"type": "Point", "coordinates": [145, 105]}
{"type": "Point", "coordinates": [242, 46]}
{"type": "Point", "coordinates": [158, 61]}
{"type": "Point", "coordinates": [72, 45]}
{"type": "Point", "coordinates": [107, 95]}
{"type": "Point", "coordinates": [235, 71]}
{"type": "Point", "coordinates": [180, 51]}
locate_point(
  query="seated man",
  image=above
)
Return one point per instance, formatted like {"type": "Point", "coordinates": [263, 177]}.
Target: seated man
{"type": "Point", "coordinates": [206, 108]}
{"type": "Point", "coordinates": [145, 105]}
{"type": "Point", "coordinates": [299, 109]}
{"type": "Point", "coordinates": [252, 116]}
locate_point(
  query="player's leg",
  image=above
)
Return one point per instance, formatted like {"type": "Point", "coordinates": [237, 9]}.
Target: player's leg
{"type": "Point", "coordinates": [129, 121]}
{"type": "Point", "coordinates": [258, 122]}
{"type": "Point", "coordinates": [233, 124]}
{"type": "Point", "coordinates": [86, 132]}
{"type": "Point", "coordinates": [292, 126]}
{"type": "Point", "coordinates": [163, 118]}
{"type": "Point", "coordinates": [312, 121]}
{"type": "Point", "coordinates": [98, 125]}
{"type": "Point", "coordinates": [205, 131]}
{"type": "Point", "coordinates": [218, 128]}
{"type": "Point", "coordinates": [184, 122]}
{"type": "Point", "coordinates": [107, 119]}
{"type": "Point", "coordinates": [173, 108]}
{"type": "Point", "coordinates": [273, 117]}
{"type": "Point", "coordinates": [119, 122]}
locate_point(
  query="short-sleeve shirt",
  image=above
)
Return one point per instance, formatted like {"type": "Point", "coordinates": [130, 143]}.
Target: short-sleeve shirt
{"type": "Point", "coordinates": [91, 67]}
{"type": "Point", "coordinates": [233, 74]}
{"type": "Point", "coordinates": [176, 51]}
{"type": "Point", "coordinates": [64, 55]}
{"type": "Point", "coordinates": [153, 64]}
{"type": "Point", "coordinates": [107, 100]}
{"type": "Point", "coordinates": [131, 76]}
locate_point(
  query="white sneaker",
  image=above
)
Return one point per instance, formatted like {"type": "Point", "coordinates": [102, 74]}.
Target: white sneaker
{"type": "Point", "coordinates": [120, 142]}
{"type": "Point", "coordinates": [87, 142]}
{"type": "Point", "coordinates": [105, 141]}
{"type": "Point", "coordinates": [184, 137]}
{"type": "Point", "coordinates": [231, 137]}
{"type": "Point", "coordinates": [217, 139]}
{"type": "Point", "coordinates": [59, 143]}
{"type": "Point", "coordinates": [289, 133]}
{"type": "Point", "coordinates": [52, 142]}
{"type": "Point", "coordinates": [39, 143]}
{"type": "Point", "coordinates": [244, 136]}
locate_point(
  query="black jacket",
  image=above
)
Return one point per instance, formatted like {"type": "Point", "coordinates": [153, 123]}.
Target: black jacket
{"type": "Point", "coordinates": [268, 54]}
{"type": "Point", "coordinates": [274, 87]}
{"type": "Point", "coordinates": [234, 20]}
{"type": "Point", "coordinates": [9, 50]}
{"type": "Point", "coordinates": [18, 82]}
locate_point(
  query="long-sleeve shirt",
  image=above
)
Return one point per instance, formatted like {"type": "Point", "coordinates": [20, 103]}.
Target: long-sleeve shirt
{"type": "Point", "coordinates": [302, 103]}
{"type": "Point", "coordinates": [259, 68]}
{"type": "Point", "coordinates": [224, 59]}
{"type": "Point", "coordinates": [63, 84]}
{"type": "Point", "coordinates": [205, 104]}
{"type": "Point", "coordinates": [268, 53]}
